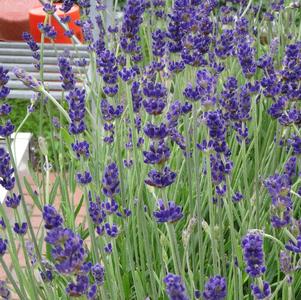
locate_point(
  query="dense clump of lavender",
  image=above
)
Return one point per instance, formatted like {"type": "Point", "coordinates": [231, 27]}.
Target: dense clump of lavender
{"type": "Point", "coordinates": [169, 81]}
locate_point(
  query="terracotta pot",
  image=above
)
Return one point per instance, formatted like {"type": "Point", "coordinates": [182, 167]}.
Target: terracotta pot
{"type": "Point", "coordinates": [14, 18]}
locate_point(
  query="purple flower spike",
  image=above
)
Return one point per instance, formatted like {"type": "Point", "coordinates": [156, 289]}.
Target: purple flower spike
{"type": "Point", "coordinates": [80, 288]}
{"type": "Point", "coordinates": [77, 111]}
{"type": "Point", "coordinates": [13, 201]}
{"type": "Point", "coordinates": [161, 179]}
{"type": "Point", "coordinates": [156, 132]}
{"type": "Point", "coordinates": [175, 287]}
{"type": "Point", "coordinates": [67, 75]}
{"type": "Point", "coordinates": [108, 248]}
{"type": "Point", "coordinates": [4, 291]}
{"type": "Point", "coordinates": [252, 245]}
{"type": "Point", "coordinates": [48, 30]}
{"type": "Point", "coordinates": [49, 9]}
{"type": "Point", "coordinates": [67, 251]}
{"type": "Point", "coordinates": [111, 230]}
{"type": "Point", "coordinates": [157, 154]}
{"type": "Point", "coordinates": [96, 213]}
{"type": "Point", "coordinates": [84, 178]}
{"type": "Point", "coordinates": [81, 149]}
{"type": "Point", "coordinates": [20, 229]}
{"type": "Point", "coordinates": [3, 246]}
{"type": "Point", "coordinates": [110, 181]}
{"type": "Point", "coordinates": [294, 246]}
{"type": "Point", "coordinates": [6, 172]}
{"type": "Point", "coordinates": [2, 224]}
{"type": "Point", "coordinates": [259, 293]}
{"type": "Point", "coordinates": [98, 273]}
{"type": "Point", "coordinates": [215, 288]}
{"type": "Point", "coordinates": [169, 213]}
{"type": "Point", "coordinates": [285, 262]}
{"type": "Point", "coordinates": [67, 5]}
{"type": "Point", "coordinates": [51, 217]}
{"type": "Point", "coordinates": [155, 100]}
{"type": "Point", "coordinates": [27, 79]}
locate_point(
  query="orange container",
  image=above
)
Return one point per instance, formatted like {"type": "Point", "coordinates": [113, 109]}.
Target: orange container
{"type": "Point", "coordinates": [37, 15]}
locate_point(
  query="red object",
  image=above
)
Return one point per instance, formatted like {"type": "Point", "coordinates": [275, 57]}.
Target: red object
{"type": "Point", "coordinates": [37, 15]}
{"type": "Point", "coordinates": [14, 18]}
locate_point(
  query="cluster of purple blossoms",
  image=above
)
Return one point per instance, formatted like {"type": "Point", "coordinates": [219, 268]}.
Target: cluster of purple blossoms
{"type": "Point", "coordinates": [176, 110]}
{"type": "Point", "coordinates": [77, 110]}
{"type": "Point", "coordinates": [169, 213]}
{"type": "Point", "coordinates": [108, 69]}
{"type": "Point", "coordinates": [27, 37]}
{"type": "Point", "coordinates": [7, 179]}
{"type": "Point", "coordinates": [3, 246]}
{"type": "Point", "coordinates": [252, 245]}
{"type": "Point", "coordinates": [175, 287]}
{"type": "Point", "coordinates": [161, 179]}
{"type": "Point", "coordinates": [67, 5]}
{"type": "Point", "coordinates": [261, 292]}
{"type": "Point", "coordinates": [83, 178]}
{"type": "Point", "coordinates": [136, 96]}
{"type": "Point", "coordinates": [81, 149]}
{"type": "Point", "coordinates": [294, 246]}
{"type": "Point", "coordinates": [67, 76]}
{"type": "Point", "coordinates": [215, 288]}
{"type": "Point", "coordinates": [99, 211]}
{"type": "Point", "coordinates": [6, 126]}
{"type": "Point", "coordinates": [220, 163]}
{"type": "Point", "coordinates": [158, 6]}
{"type": "Point", "coordinates": [49, 8]}
{"type": "Point", "coordinates": [68, 253]}
{"type": "Point", "coordinates": [279, 187]}
{"type": "Point", "coordinates": [48, 30]}
{"type": "Point", "coordinates": [129, 37]}
{"type": "Point", "coordinates": [246, 57]}
{"type": "Point", "coordinates": [13, 201]}
{"type": "Point", "coordinates": [159, 43]}
{"type": "Point", "coordinates": [286, 266]}
{"type": "Point", "coordinates": [158, 153]}
{"type": "Point", "coordinates": [20, 229]}
{"type": "Point", "coordinates": [282, 85]}
{"type": "Point", "coordinates": [110, 181]}
{"type": "Point", "coordinates": [155, 98]}
{"type": "Point", "coordinates": [4, 90]}
{"type": "Point", "coordinates": [225, 45]}
{"type": "Point", "coordinates": [4, 291]}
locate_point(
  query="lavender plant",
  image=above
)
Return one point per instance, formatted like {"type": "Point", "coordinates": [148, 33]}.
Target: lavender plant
{"type": "Point", "coordinates": [182, 137]}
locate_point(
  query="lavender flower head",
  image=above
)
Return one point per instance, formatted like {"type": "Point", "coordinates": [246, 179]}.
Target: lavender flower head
{"type": "Point", "coordinates": [13, 201]}
{"type": "Point", "coordinates": [161, 179]}
{"type": "Point", "coordinates": [4, 291]}
{"type": "Point", "coordinates": [67, 75]}
{"type": "Point", "coordinates": [76, 102]}
{"type": "Point", "coordinates": [169, 213]}
{"type": "Point", "coordinates": [215, 288]}
{"type": "Point", "coordinates": [175, 287]}
{"type": "Point", "coordinates": [110, 180]}
{"type": "Point", "coordinates": [51, 217]}
{"type": "Point", "coordinates": [27, 79]}
{"type": "Point", "coordinates": [67, 250]}
{"type": "Point", "coordinates": [20, 229]}
{"type": "Point", "coordinates": [252, 245]}
{"type": "Point", "coordinates": [98, 273]}
{"type": "Point", "coordinates": [7, 180]}
{"type": "Point", "coordinates": [261, 293]}
{"type": "Point", "coordinates": [4, 91]}
{"type": "Point", "coordinates": [3, 246]}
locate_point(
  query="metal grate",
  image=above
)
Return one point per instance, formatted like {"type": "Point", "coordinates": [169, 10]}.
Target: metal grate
{"type": "Point", "coordinates": [17, 54]}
